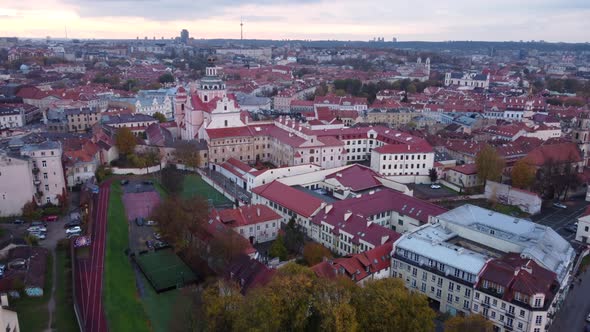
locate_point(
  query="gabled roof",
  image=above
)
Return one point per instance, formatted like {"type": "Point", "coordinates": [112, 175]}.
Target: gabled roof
{"type": "Point", "coordinates": [558, 153]}
{"type": "Point", "coordinates": [356, 177]}
{"type": "Point", "coordinates": [295, 200]}
{"type": "Point", "coordinates": [247, 215]}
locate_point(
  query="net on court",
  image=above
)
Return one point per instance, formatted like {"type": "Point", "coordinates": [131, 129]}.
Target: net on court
{"type": "Point", "coordinates": [165, 270]}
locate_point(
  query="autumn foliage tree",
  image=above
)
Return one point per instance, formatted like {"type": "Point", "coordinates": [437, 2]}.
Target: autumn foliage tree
{"type": "Point", "coordinates": [523, 174]}
{"type": "Point", "coordinates": [314, 253]}
{"type": "Point", "coordinates": [297, 300]}
{"type": "Point", "coordinates": [125, 141]}
{"type": "Point", "coordinates": [472, 323]}
{"type": "Point", "coordinates": [160, 117]}
{"type": "Point", "coordinates": [186, 153]}
{"type": "Point", "coordinates": [180, 220]}
{"type": "Point", "coordinates": [489, 164]}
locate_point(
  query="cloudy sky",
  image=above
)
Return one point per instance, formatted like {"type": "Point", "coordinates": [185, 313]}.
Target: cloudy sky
{"type": "Point", "coordinates": [435, 20]}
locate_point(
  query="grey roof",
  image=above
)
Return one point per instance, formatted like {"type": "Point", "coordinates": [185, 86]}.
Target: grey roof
{"type": "Point", "coordinates": [430, 242]}
{"type": "Point", "coordinates": [510, 234]}
{"type": "Point", "coordinates": [126, 118]}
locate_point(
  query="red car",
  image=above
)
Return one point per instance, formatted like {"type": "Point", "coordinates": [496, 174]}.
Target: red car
{"type": "Point", "coordinates": [50, 218]}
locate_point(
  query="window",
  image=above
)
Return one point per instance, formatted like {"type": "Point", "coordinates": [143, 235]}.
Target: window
{"type": "Point", "coordinates": [44, 163]}
{"type": "Point", "coordinates": [477, 296]}
{"type": "Point", "coordinates": [538, 320]}
{"type": "Point", "coordinates": [424, 275]}
{"type": "Point", "coordinates": [521, 314]}
{"type": "Point", "coordinates": [451, 286]}
{"type": "Point", "coordinates": [45, 176]}
{"type": "Point", "coordinates": [46, 187]}
{"type": "Point", "coordinates": [440, 282]}
{"type": "Point", "coordinates": [475, 307]}
{"type": "Point", "coordinates": [450, 298]}
{"type": "Point", "coordinates": [509, 321]}
{"type": "Point", "coordinates": [423, 287]}
{"type": "Point", "coordinates": [511, 310]}
{"type": "Point", "coordinates": [495, 302]}
{"type": "Point", "coordinates": [467, 292]}
{"type": "Point", "coordinates": [465, 304]}
{"type": "Point", "coordinates": [538, 302]}
{"type": "Point", "coordinates": [438, 293]}
{"type": "Point", "coordinates": [493, 314]}
{"type": "Point", "coordinates": [520, 325]}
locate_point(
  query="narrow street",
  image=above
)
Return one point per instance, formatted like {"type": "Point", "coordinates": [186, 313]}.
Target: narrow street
{"type": "Point", "coordinates": [572, 315]}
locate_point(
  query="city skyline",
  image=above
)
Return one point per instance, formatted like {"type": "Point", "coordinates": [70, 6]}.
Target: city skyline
{"type": "Point", "coordinates": [309, 19]}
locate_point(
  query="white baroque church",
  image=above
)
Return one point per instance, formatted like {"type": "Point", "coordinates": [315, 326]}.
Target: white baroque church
{"type": "Point", "coordinates": [206, 105]}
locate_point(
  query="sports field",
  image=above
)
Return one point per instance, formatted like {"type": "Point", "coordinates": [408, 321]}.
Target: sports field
{"type": "Point", "coordinates": [194, 185]}
{"type": "Point", "coordinates": [165, 270]}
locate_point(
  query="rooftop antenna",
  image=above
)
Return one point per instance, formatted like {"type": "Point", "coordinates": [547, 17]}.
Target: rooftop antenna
{"type": "Point", "coordinates": [241, 28]}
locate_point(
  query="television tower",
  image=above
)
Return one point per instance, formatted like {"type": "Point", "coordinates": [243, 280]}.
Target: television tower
{"type": "Point", "coordinates": [241, 29]}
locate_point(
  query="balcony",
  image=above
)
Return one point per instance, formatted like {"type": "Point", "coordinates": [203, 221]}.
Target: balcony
{"type": "Point", "coordinates": [35, 170]}
{"type": "Point", "coordinates": [36, 182]}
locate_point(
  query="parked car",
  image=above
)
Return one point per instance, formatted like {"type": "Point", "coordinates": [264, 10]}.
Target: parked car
{"type": "Point", "coordinates": [75, 229]}
{"type": "Point", "coordinates": [148, 182]}
{"type": "Point", "coordinates": [71, 235]}
{"type": "Point", "coordinates": [2, 270]}
{"type": "Point", "coordinates": [52, 218]}
{"type": "Point", "coordinates": [151, 223]}
{"type": "Point", "coordinates": [139, 221]}
{"type": "Point", "coordinates": [72, 224]}
{"type": "Point", "coordinates": [157, 236]}
{"type": "Point", "coordinates": [571, 228]}
{"type": "Point", "coordinates": [435, 186]}
{"type": "Point", "coordinates": [160, 244]}
{"type": "Point", "coordinates": [37, 229]}
{"type": "Point", "coordinates": [18, 221]}
{"type": "Point", "coordinates": [149, 244]}
{"type": "Point", "coordinates": [124, 182]}
{"type": "Point", "coordinates": [39, 223]}
{"type": "Point", "coordinates": [40, 236]}
{"type": "Point", "coordinates": [560, 205]}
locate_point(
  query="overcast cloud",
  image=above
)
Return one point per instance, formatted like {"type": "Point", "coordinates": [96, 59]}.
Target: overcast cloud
{"type": "Point", "coordinates": [301, 19]}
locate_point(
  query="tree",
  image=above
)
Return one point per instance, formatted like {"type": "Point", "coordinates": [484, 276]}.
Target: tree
{"type": "Point", "coordinates": [489, 164]}
{"type": "Point", "coordinates": [166, 78]}
{"type": "Point", "coordinates": [386, 302]}
{"type": "Point", "coordinates": [523, 174]}
{"type": "Point", "coordinates": [278, 249]}
{"type": "Point", "coordinates": [172, 179]}
{"type": "Point", "coordinates": [332, 309]}
{"type": "Point", "coordinates": [433, 175]}
{"type": "Point", "coordinates": [186, 153]}
{"type": "Point", "coordinates": [125, 141]}
{"type": "Point", "coordinates": [181, 220]}
{"type": "Point", "coordinates": [472, 323]}
{"type": "Point", "coordinates": [294, 238]}
{"type": "Point", "coordinates": [221, 301]}
{"type": "Point", "coordinates": [314, 253]}
{"type": "Point", "coordinates": [160, 117]}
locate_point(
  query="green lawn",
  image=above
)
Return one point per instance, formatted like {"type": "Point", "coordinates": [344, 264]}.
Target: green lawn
{"type": "Point", "coordinates": [123, 308]}
{"type": "Point", "coordinates": [194, 185]}
{"type": "Point", "coordinates": [159, 307]}
{"type": "Point", "coordinates": [33, 315]}
{"type": "Point", "coordinates": [64, 317]}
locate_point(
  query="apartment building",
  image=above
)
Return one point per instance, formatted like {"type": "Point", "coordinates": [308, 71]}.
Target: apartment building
{"type": "Point", "coordinates": [256, 223]}
{"type": "Point", "coordinates": [11, 118]}
{"type": "Point", "coordinates": [403, 159]}
{"type": "Point", "coordinates": [48, 172]}
{"type": "Point", "coordinates": [81, 119]}
{"type": "Point", "coordinates": [516, 294]}
{"type": "Point", "coordinates": [583, 231]}
{"type": "Point", "coordinates": [15, 172]}
{"type": "Point", "coordinates": [479, 249]}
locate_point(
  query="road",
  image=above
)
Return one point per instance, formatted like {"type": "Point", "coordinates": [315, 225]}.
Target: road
{"type": "Point", "coordinates": [576, 307]}
{"type": "Point", "coordinates": [559, 219]}
{"type": "Point", "coordinates": [90, 270]}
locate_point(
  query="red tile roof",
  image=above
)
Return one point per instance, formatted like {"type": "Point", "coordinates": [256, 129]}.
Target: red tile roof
{"type": "Point", "coordinates": [467, 169]}
{"type": "Point", "coordinates": [295, 200]}
{"type": "Point", "coordinates": [517, 274]}
{"type": "Point", "coordinates": [558, 153]}
{"type": "Point", "coordinates": [357, 177]}
{"type": "Point", "coordinates": [248, 215]}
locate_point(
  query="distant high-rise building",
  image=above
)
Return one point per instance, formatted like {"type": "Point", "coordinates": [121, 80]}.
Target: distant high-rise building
{"type": "Point", "coordinates": [184, 36]}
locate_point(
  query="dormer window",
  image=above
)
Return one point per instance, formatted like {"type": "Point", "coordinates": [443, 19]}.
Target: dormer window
{"type": "Point", "coordinates": [538, 302]}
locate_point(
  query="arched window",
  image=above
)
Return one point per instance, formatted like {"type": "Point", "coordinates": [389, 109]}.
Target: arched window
{"type": "Point", "coordinates": [311, 159]}
{"type": "Point", "coordinates": [205, 97]}
{"type": "Point", "coordinates": [225, 123]}
{"type": "Point", "coordinates": [182, 107]}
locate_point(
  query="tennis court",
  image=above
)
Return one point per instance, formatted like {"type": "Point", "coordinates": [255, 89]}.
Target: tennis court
{"type": "Point", "coordinates": [165, 270]}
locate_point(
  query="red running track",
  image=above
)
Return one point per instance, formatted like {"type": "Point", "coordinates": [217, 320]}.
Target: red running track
{"type": "Point", "coordinates": [89, 276]}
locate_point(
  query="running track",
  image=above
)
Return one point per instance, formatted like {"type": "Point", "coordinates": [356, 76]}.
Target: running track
{"type": "Point", "coordinates": [89, 276]}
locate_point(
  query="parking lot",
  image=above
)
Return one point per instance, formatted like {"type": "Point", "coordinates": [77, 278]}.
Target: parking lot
{"type": "Point", "coordinates": [559, 219]}
{"type": "Point", "coordinates": [423, 191]}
